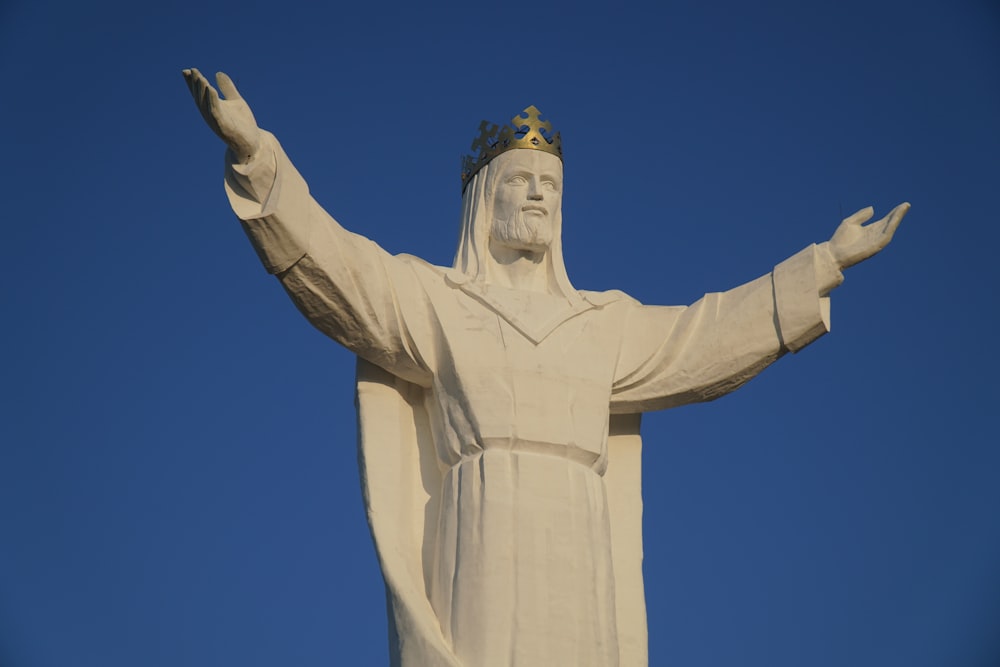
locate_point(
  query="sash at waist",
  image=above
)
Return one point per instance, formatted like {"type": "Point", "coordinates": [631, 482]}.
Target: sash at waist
{"type": "Point", "coordinates": [584, 457]}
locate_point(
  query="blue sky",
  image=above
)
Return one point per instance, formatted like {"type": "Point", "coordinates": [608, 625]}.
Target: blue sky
{"type": "Point", "coordinates": [178, 483]}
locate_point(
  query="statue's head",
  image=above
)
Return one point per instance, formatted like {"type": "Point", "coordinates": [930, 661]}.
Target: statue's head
{"type": "Point", "coordinates": [512, 196]}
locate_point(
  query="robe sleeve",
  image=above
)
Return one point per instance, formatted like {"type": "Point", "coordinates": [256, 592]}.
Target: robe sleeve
{"type": "Point", "coordinates": [671, 356]}
{"type": "Point", "coordinates": [348, 287]}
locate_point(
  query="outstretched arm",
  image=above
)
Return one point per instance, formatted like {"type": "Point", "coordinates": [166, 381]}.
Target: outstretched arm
{"type": "Point", "coordinates": [347, 286]}
{"type": "Point", "coordinates": [684, 355]}
{"type": "Point", "coordinates": [229, 117]}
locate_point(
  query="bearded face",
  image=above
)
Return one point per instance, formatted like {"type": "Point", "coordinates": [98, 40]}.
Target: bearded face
{"type": "Point", "coordinates": [526, 198]}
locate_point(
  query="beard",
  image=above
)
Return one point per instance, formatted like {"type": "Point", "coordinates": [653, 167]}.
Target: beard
{"type": "Point", "coordinates": [520, 232]}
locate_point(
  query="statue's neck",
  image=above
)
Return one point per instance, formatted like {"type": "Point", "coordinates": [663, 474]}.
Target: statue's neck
{"type": "Point", "coordinates": [519, 269]}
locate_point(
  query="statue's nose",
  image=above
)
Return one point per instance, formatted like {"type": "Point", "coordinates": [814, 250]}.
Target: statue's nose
{"type": "Point", "coordinates": [535, 190]}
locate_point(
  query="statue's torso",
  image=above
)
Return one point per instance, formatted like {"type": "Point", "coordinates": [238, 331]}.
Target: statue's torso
{"type": "Point", "coordinates": [522, 571]}
{"type": "Point", "coordinates": [496, 387]}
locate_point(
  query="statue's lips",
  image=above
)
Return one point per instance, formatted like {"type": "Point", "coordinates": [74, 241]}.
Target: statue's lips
{"type": "Point", "coordinates": [533, 207]}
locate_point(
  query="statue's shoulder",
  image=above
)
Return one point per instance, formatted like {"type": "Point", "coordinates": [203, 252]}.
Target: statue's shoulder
{"type": "Point", "coordinates": [432, 278]}
{"type": "Point", "coordinates": [607, 298]}
{"type": "Point", "coordinates": [616, 299]}
{"type": "Point", "coordinates": [420, 266]}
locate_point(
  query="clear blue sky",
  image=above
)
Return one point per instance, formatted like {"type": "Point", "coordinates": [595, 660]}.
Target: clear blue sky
{"type": "Point", "coordinates": [178, 482]}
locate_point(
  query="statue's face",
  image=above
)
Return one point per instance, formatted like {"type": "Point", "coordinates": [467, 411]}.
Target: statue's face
{"type": "Point", "coordinates": [526, 198]}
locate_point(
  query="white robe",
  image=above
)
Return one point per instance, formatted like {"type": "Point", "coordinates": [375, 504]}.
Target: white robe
{"type": "Point", "coordinates": [515, 540]}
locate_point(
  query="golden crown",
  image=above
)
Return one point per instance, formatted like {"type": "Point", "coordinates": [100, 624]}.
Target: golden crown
{"type": "Point", "coordinates": [525, 131]}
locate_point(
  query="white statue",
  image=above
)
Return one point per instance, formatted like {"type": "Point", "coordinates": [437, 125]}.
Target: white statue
{"type": "Point", "coordinates": [499, 406]}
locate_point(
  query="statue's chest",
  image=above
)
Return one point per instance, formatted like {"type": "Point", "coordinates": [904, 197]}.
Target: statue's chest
{"type": "Point", "coordinates": [557, 390]}
{"type": "Point", "coordinates": [581, 348]}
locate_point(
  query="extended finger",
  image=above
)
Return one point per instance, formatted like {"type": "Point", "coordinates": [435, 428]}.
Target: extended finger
{"type": "Point", "coordinates": [860, 217]}
{"type": "Point", "coordinates": [193, 76]}
{"type": "Point", "coordinates": [895, 217]}
{"type": "Point", "coordinates": [201, 89]}
{"type": "Point", "coordinates": [191, 79]}
{"type": "Point", "coordinates": [227, 86]}
{"type": "Point", "coordinates": [209, 98]}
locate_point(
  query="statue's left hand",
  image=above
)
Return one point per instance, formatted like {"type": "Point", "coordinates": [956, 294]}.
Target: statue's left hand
{"type": "Point", "coordinates": [229, 117]}
{"type": "Point", "coordinates": [855, 241]}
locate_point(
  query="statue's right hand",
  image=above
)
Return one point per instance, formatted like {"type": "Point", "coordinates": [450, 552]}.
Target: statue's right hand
{"type": "Point", "coordinates": [229, 116]}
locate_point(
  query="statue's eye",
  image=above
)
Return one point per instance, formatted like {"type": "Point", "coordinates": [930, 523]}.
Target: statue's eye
{"type": "Point", "coordinates": [517, 180]}
{"type": "Point", "coordinates": [550, 186]}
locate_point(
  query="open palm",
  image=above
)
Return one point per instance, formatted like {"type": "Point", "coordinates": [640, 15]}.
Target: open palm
{"type": "Point", "coordinates": [855, 241]}
{"type": "Point", "coordinates": [229, 117]}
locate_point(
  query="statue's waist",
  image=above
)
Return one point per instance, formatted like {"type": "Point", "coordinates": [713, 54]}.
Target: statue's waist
{"type": "Point", "coordinates": [570, 452]}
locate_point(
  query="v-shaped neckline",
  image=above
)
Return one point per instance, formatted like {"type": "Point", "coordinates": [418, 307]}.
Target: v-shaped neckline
{"type": "Point", "coordinates": [504, 302]}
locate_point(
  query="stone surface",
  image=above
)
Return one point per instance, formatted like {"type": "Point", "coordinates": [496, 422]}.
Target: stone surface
{"type": "Point", "coordinates": [499, 406]}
